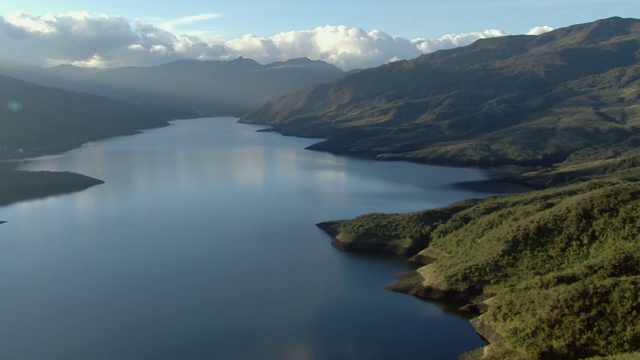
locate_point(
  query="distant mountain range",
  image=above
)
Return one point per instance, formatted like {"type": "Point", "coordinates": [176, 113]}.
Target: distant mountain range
{"type": "Point", "coordinates": [515, 100]}
{"type": "Point", "coordinates": [187, 88]}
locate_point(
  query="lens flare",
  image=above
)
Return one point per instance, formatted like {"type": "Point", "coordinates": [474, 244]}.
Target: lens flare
{"type": "Point", "coordinates": [14, 106]}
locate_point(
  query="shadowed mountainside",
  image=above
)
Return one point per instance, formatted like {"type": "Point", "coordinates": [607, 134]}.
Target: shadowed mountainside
{"type": "Point", "coordinates": [37, 120]}
{"type": "Point", "coordinates": [188, 88]}
{"type": "Point", "coordinates": [24, 185]}
{"type": "Point", "coordinates": [516, 100]}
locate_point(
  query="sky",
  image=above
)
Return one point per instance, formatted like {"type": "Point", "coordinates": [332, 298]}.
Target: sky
{"type": "Point", "coordinates": [348, 34]}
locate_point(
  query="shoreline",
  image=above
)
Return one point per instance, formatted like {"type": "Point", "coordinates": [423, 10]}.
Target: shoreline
{"type": "Point", "coordinates": [506, 173]}
{"type": "Point", "coordinates": [22, 185]}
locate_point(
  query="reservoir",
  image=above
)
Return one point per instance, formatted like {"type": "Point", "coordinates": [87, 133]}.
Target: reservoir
{"type": "Point", "coordinates": [201, 245]}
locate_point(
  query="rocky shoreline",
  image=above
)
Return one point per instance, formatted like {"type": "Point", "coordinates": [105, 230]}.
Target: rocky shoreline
{"type": "Point", "coordinates": [422, 282]}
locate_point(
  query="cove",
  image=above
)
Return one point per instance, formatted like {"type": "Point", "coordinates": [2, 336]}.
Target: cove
{"type": "Point", "coordinates": [201, 245]}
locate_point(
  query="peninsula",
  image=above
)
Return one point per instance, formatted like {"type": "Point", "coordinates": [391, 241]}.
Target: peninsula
{"type": "Point", "coordinates": [25, 185]}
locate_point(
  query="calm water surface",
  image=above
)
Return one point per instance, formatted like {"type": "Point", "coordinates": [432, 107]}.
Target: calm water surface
{"type": "Point", "coordinates": [201, 245]}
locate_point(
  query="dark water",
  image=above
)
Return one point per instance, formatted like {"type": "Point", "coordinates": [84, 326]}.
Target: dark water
{"type": "Point", "coordinates": [201, 245]}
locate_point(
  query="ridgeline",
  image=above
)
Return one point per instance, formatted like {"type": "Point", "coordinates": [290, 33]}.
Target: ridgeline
{"type": "Point", "coordinates": [515, 100]}
{"type": "Point", "coordinates": [187, 88]}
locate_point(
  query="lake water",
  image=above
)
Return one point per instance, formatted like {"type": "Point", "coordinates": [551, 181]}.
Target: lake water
{"type": "Point", "coordinates": [201, 245]}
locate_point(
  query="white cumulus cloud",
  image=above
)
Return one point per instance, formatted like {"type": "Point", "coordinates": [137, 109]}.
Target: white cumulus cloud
{"type": "Point", "coordinates": [454, 40]}
{"type": "Point", "coordinates": [106, 41]}
{"type": "Point", "coordinates": [538, 30]}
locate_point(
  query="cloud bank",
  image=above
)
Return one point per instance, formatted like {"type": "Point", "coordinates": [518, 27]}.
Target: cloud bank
{"type": "Point", "coordinates": [81, 39]}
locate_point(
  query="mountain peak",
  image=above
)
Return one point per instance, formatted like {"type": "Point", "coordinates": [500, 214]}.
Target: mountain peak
{"type": "Point", "coordinates": [315, 66]}
{"type": "Point", "coordinates": [610, 28]}
{"type": "Point", "coordinates": [244, 61]}
{"type": "Point", "coordinates": [597, 31]}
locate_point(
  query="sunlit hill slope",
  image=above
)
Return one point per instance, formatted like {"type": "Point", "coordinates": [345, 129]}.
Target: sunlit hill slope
{"type": "Point", "coordinates": [523, 100]}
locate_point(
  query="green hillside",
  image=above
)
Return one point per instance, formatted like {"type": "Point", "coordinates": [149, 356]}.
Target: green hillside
{"type": "Point", "coordinates": [555, 273]}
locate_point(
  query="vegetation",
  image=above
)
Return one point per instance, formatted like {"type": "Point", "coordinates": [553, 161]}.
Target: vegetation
{"type": "Point", "coordinates": [403, 234]}
{"type": "Point", "coordinates": [556, 271]}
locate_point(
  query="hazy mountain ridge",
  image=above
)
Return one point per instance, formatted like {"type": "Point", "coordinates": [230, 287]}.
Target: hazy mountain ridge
{"type": "Point", "coordinates": [188, 88]}
{"type": "Point", "coordinates": [509, 100]}
{"type": "Point", "coordinates": [37, 120]}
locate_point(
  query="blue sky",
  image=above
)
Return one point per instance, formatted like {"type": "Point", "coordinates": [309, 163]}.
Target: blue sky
{"type": "Point", "coordinates": [223, 24]}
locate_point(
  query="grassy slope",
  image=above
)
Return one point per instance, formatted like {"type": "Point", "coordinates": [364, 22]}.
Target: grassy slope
{"type": "Point", "coordinates": [554, 272]}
